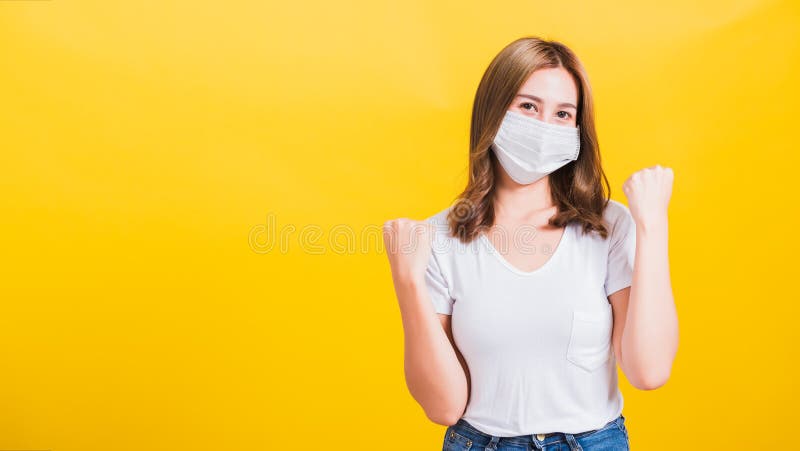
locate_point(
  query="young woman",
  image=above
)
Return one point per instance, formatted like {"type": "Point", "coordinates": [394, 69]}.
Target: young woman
{"type": "Point", "coordinates": [520, 299]}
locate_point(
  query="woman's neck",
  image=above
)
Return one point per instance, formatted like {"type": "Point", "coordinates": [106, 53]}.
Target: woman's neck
{"type": "Point", "coordinates": [513, 201]}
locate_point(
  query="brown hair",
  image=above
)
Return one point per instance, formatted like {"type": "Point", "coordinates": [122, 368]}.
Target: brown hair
{"type": "Point", "coordinates": [576, 188]}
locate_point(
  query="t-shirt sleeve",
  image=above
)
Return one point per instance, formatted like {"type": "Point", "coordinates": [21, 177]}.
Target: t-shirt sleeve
{"type": "Point", "coordinates": [622, 250]}
{"type": "Point", "coordinates": [438, 287]}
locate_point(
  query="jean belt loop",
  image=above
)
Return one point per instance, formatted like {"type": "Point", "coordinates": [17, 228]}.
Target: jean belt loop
{"type": "Point", "coordinates": [573, 443]}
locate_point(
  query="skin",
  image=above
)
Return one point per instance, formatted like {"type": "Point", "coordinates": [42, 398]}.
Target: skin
{"type": "Point", "coordinates": [645, 330]}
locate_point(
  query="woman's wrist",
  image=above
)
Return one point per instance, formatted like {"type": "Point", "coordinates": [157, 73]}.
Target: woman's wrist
{"type": "Point", "coordinates": [653, 224]}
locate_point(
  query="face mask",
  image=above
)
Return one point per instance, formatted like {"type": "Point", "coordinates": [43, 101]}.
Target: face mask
{"type": "Point", "coordinates": [528, 149]}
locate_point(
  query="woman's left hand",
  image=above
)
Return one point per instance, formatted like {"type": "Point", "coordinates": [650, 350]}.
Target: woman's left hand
{"type": "Point", "coordinates": [648, 191]}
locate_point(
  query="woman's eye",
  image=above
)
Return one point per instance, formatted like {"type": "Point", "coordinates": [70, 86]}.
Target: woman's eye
{"type": "Point", "coordinates": [527, 105]}
{"type": "Point", "coordinates": [566, 116]}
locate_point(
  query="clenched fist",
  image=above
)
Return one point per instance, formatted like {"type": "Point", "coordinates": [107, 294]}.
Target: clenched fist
{"type": "Point", "coordinates": [408, 246]}
{"type": "Point", "coordinates": [648, 191]}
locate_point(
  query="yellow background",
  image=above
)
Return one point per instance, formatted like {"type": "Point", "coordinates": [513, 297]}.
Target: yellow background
{"type": "Point", "coordinates": [146, 144]}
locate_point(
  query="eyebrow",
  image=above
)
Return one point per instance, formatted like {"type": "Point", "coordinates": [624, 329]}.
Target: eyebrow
{"type": "Point", "coordinates": [569, 105]}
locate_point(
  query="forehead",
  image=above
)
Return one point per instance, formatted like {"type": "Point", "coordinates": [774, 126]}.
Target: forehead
{"type": "Point", "coordinates": [551, 84]}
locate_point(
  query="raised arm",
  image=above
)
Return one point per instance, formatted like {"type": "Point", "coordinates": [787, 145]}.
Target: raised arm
{"type": "Point", "coordinates": [650, 339]}
{"type": "Point", "coordinates": [435, 374]}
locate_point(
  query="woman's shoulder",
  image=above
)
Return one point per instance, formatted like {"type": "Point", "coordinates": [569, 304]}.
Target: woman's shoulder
{"type": "Point", "coordinates": [440, 217]}
{"type": "Point", "coordinates": [441, 224]}
{"type": "Point", "coordinates": [616, 211]}
{"type": "Point", "coordinates": [619, 220]}
{"type": "Point", "coordinates": [444, 241]}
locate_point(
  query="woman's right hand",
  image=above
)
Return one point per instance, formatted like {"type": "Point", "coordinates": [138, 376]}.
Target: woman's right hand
{"type": "Point", "coordinates": [408, 246]}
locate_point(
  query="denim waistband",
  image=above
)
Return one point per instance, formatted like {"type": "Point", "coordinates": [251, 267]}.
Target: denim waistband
{"type": "Point", "coordinates": [481, 439]}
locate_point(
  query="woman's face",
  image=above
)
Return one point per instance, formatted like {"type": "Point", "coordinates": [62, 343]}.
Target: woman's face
{"type": "Point", "coordinates": [550, 95]}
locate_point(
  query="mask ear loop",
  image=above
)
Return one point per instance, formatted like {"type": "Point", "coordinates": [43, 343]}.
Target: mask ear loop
{"type": "Point", "coordinates": [578, 146]}
{"type": "Point", "coordinates": [575, 157]}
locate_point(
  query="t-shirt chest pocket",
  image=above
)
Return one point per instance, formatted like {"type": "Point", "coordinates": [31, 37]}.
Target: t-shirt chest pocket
{"type": "Point", "coordinates": [590, 338]}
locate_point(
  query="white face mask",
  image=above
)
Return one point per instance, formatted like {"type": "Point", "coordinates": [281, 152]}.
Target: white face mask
{"type": "Point", "coordinates": [529, 149]}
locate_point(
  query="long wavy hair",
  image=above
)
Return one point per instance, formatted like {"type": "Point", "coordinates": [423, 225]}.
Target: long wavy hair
{"type": "Point", "coordinates": [580, 188]}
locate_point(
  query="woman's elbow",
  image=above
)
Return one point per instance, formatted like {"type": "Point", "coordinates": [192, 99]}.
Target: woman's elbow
{"type": "Point", "coordinates": [652, 381]}
{"type": "Point", "coordinates": [446, 413]}
{"type": "Point", "coordinates": [445, 417]}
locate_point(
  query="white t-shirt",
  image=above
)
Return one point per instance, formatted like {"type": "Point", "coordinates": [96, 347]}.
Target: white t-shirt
{"type": "Point", "coordinates": [537, 344]}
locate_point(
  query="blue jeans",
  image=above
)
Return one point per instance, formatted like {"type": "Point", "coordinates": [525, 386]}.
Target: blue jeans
{"type": "Point", "coordinates": [462, 436]}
